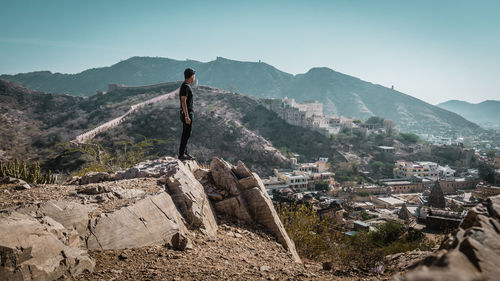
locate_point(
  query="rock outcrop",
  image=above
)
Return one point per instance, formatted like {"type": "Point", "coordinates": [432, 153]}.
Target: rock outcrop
{"type": "Point", "coordinates": [148, 221]}
{"type": "Point", "coordinates": [245, 198]}
{"type": "Point", "coordinates": [160, 202]}
{"type": "Point", "coordinates": [190, 198]}
{"type": "Point", "coordinates": [471, 253]}
{"type": "Point", "coordinates": [38, 249]}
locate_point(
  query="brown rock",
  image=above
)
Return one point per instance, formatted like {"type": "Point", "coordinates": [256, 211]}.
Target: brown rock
{"type": "Point", "coordinates": [471, 253]}
{"type": "Point", "coordinates": [215, 196]}
{"type": "Point", "coordinates": [30, 250]}
{"type": "Point", "coordinates": [22, 186]}
{"type": "Point", "coordinates": [192, 165]}
{"type": "Point", "coordinates": [146, 222]}
{"type": "Point", "coordinates": [94, 177]}
{"type": "Point", "coordinates": [190, 199]}
{"type": "Point", "coordinates": [263, 212]}
{"type": "Point", "coordinates": [179, 241]}
{"type": "Point", "coordinates": [201, 174]}
{"type": "Point", "coordinates": [253, 204]}
{"type": "Point", "coordinates": [223, 175]}
{"type": "Point", "coordinates": [234, 206]}
{"type": "Point", "coordinates": [11, 180]}
{"type": "Point", "coordinates": [241, 170]}
{"type": "Point", "coordinates": [248, 182]}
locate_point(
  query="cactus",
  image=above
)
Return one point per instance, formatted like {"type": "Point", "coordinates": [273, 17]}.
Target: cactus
{"type": "Point", "coordinates": [20, 170]}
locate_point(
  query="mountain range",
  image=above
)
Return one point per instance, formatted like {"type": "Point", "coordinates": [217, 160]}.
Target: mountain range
{"type": "Point", "coordinates": [486, 113]}
{"type": "Point", "coordinates": [341, 94]}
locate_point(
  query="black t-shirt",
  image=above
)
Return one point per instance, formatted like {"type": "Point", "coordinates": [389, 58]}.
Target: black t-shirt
{"type": "Point", "coordinates": [185, 90]}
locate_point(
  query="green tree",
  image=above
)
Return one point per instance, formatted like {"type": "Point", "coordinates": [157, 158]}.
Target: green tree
{"type": "Point", "coordinates": [321, 185]}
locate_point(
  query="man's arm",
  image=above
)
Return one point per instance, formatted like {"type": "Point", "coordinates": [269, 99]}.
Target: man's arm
{"type": "Point", "coordinates": [184, 109]}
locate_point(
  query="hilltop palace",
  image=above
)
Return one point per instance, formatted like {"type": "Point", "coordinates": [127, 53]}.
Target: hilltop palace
{"type": "Point", "coordinates": [310, 114]}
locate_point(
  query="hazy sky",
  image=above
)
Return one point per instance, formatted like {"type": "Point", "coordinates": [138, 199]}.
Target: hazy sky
{"type": "Point", "coordinates": [434, 50]}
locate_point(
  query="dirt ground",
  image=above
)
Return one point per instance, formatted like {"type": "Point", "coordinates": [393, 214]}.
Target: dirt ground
{"type": "Point", "coordinates": [236, 254]}
{"type": "Point", "coordinates": [240, 252]}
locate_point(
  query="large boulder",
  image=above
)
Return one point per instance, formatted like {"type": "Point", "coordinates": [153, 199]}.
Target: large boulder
{"type": "Point", "coordinates": [471, 253]}
{"type": "Point", "coordinates": [234, 206]}
{"type": "Point", "coordinates": [222, 175]}
{"type": "Point", "coordinates": [32, 249]}
{"type": "Point", "coordinates": [71, 215]}
{"type": "Point", "coordinates": [190, 198]}
{"type": "Point", "coordinates": [94, 177]}
{"type": "Point", "coordinates": [262, 210]}
{"type": "Point", "coordinates": [148, 221]}
{"type": "Point", "coordinates": [146, 169]}
{"type": "Point", "coordinates": [248, 200]}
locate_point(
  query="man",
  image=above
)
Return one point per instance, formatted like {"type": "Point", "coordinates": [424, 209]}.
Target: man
{"type": "Point", "coordinates": [186, 113]}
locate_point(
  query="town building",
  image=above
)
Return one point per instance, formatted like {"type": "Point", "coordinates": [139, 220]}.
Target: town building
{"type": "Point", "coordinates": [372, 189]}
{"type": "Point", "coordinates": [438, 219]}
{"type": "Point", "coordinates": [452, 185]}
{"type": "Point", "coordinates": [386, 149]}
{"type": "Point", "coordinates": [406, 169]}
{"type": "Point", "coordinates": [308, 114]}
{"type": "Point", "coordinates": [404, 186]}
{"type": "Point", "coordinates": [274, 184]}
{"type": "Point", "coordinates": [436, 198]}
{"type": "Point", "coordinates": [484, 191]}
{"type": "Point", "coordinates": [445, 171]}
{"type": "Point", "coordinates": [294, 179]}
{"type": "Point", "coordinates": [388, 202]}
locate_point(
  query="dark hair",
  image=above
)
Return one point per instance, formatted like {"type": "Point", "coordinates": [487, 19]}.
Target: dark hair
{"type": "Point", "coordinates": [188, 73]}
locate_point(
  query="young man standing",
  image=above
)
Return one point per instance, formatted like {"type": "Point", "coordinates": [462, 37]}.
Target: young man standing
{"type": "Point", "coordinates": [186, 113]}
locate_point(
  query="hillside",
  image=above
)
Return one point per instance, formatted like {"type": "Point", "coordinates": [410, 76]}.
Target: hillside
{"type": "Point", "coordinates": [342, 94]}
{"type": "Point", "coordinates": [34, 122]}
{"type": "Point", "coordinates": [349, 96]}
{"type": "Point", "coordinates": [233, 126]}
{"type": "Point", "coordinates": [486, 113]}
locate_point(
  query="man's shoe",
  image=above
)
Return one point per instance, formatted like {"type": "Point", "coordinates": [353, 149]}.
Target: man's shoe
{"type": "Point", "coordinates": [185, 157]}
{"type": "Point", "coordinates": [189, 156]}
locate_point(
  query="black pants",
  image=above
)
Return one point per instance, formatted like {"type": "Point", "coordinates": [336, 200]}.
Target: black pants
{"type": "Point", "coordinates": [186, 132]}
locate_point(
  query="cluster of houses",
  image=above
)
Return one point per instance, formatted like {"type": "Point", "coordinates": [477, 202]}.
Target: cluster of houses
{"type": "Point", "coordinates": [310, 114]}
{"type": "Point", "coordinates": [301, 177]}
{"type": "Point", "coordinates": [424, 194]}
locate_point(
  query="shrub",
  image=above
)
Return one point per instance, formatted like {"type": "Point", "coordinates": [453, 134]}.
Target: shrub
{"type": "Point", "coordinates": [313, 237]}
{"type": "Point", "coordinates": [29, 173]}
{"type": "Point", "coordinates": [363, 193]}
{"type": "Point", "coordinates": [324, 239]}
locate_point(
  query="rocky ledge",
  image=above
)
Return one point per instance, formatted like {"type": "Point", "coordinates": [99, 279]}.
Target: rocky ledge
{"type": "Point", "coordinates": [46, 232]}
{"type": "Point", "coordinates": [471, 253]}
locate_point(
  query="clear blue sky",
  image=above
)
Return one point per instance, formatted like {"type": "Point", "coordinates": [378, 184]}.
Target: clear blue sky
{"type": "Point", "coordinates": [435, 50]}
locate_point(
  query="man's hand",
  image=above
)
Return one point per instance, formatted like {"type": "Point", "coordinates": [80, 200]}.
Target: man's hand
{"type": "Point", "coordinates": [188, 121]}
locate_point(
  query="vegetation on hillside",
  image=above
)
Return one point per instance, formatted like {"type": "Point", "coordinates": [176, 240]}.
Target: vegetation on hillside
{"type": "Point", "coordinates": [30, 173]}
{"type": "Point", "coordinates": [95, 157]}
{"type": "Point", "coordinates": [309, 144]}
{"type": "Point", "coordinates": [325, 240]}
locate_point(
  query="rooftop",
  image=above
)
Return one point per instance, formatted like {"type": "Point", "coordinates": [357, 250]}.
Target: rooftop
{"type": "Point", "coordinates": [391, 200]}
{"type": "Point", "coordinates": [398, 182]}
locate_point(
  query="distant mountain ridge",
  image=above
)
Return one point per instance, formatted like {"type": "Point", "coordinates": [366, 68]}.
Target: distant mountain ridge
{"type": "Point", "coordinates": [341, 94]}
{"type": "Point", "coordinates": [486, 113]}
